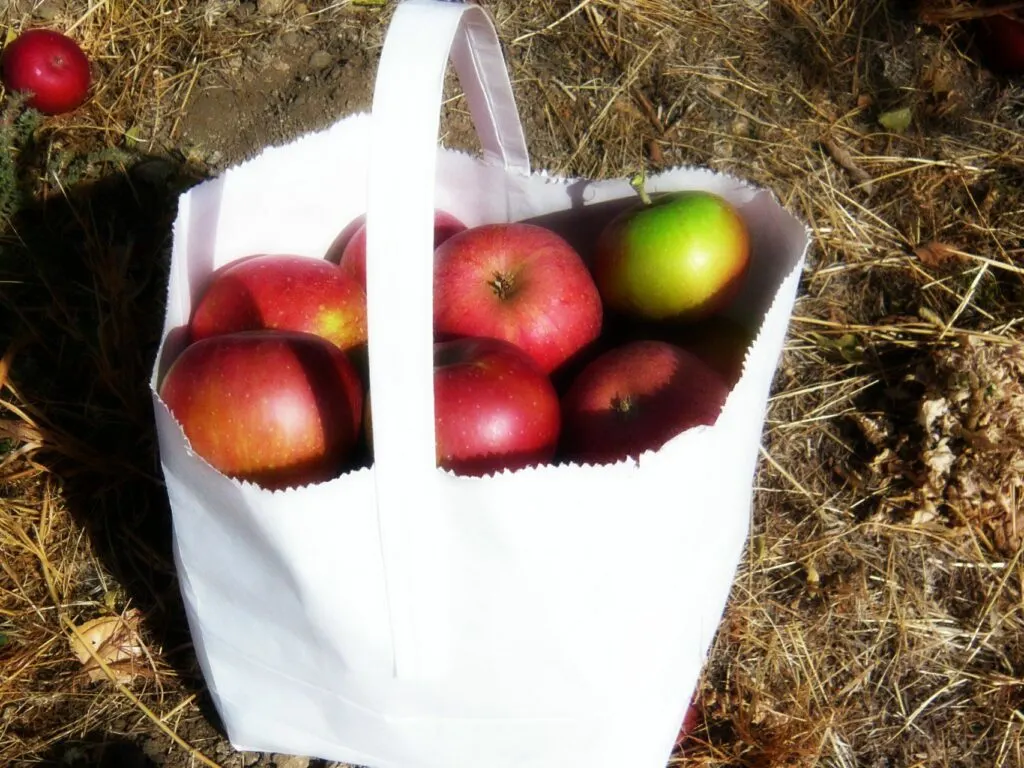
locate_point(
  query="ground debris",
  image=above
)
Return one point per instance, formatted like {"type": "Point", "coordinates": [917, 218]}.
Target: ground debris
{"type": "Point", "coordinates": [844, 159]}
{"type": "Point", "coordinates": [966, 464]}
{"type": "Point", "coordinates": [937, 254]}
{"type": "Point", "coordinates": [115, 641]}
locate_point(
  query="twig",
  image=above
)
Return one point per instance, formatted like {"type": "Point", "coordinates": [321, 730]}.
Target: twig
{"type": "Point", "coordinates": [936, 15]}
{"type": "Point", "coordinates": [844, 159]}
{"type": "Point", "coordinates": [564, 17]}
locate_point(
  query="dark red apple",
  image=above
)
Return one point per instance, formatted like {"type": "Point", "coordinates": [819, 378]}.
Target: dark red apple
{"type": "Point", "coordinates": [277, 408]}
{"type": "Point", "coordinates": [494, 408]}
{"type": "Point", "coordinates": [690, 722]}
{"type": "Point", "coordinates": [518, 282]}
{"type": "Point", "coordinates": [348, 250]}
{"type": "Point", "coordinates": [50, 66]}
{"type": "Point", "coordinates": [283, 292]}
{"type": "Point", "coordinates": [635, 398]}
{"type": "Point", "coordinates": [1001, 40]}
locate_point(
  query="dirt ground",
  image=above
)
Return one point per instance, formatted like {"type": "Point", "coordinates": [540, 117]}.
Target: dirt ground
{"type": "Point", "coordinates": [304, 81]}
{"type": "Point", "coordinates": [877, 619]}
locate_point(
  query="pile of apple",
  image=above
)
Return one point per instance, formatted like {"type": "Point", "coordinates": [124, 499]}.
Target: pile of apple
{"type": "Point", "coordinates": [540, 356]}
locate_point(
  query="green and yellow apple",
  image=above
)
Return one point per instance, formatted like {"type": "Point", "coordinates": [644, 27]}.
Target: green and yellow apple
{"type": "Point", "coordinates": [677, 256]}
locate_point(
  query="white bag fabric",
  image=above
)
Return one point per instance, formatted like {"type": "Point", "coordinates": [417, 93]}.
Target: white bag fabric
{"type": "Point", "coordinates": [402, 617]}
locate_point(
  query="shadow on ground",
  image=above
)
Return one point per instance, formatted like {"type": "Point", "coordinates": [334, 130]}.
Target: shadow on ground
{"type": "Point", "coordinates": [97, 751]}
{"type": "Point", "coordinates": [84, 281]}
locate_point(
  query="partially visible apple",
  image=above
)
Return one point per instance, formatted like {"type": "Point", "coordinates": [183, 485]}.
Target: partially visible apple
{"type": "Point", "coordinates": [277, 408]}
{"type": "Point", "coordinates": [635, 398]}
{"type": "Point", "coordinates": [283, 292]}
{"type": "Point", "coordinates": [494, 408]}
{"type": "Point", "coordinates": [677, 256]}
{"type": "Point", "coordinates": [349, 248]}
{"type": "Point", "coordinates": [691, 720]}
{"type": "Point", "coordinates": [1001, 40]}
{"type": "Point", "coordinates": [50, 66]}
{"type": "Point", "coordinates": [518, 282]}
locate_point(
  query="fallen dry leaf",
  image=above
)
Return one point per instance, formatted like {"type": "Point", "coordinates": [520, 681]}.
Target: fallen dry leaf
{"type": "Point", "coordinates": [924, 514]}
{"type": "Point", "coordinates": [939, 460]}
{"type": "Point", "coordinates": [113, 639]}
{"type": "Point", "coordinates": [876, 431]}
{"type": "Point", "coordinates": [896, 120]}
{"type": "Point", "coordinates": [932, 410]}
{"type": "Point", "coordinates": [935, 254]}
{"type": "Point", "coordinates": [654, 153]}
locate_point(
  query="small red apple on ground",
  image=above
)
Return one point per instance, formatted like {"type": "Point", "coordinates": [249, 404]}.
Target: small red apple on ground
{"type": "Point", "coordinates": [518, 282]}
{"type": "Point", "coordinates": [1001, 40]}
{"type": "Point", "coordinates": [635, 398]}
{"type": "Point", "coordinates": [494, 408]}
{"type": "Point", "coordinates": [283, 292]}
{"type": "Point", "coordinates": [349, 250]}
{"type": "Point", "coordinates": [678, 256]}
{"type": "Point", "coordinates": [50, 66]}
{"type": "Point", "coordinates": [273, 407]}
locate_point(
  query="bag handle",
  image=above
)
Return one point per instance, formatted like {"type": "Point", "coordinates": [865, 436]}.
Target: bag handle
{"type": "Point", "coordinates": [409, 88]}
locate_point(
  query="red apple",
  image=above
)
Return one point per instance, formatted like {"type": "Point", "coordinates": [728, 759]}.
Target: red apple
{"type": "Point", "coordinates": [635, 398]}
{"type": "Point", "coordinates": [277, 408]}
{"type": "Point", "coordinates": [677, 256]}
{"type": "Point", "coordinates": [50, 66]}
{"type": "Point", "coordinates": [518, 282]}
{"type": "Point", "coordinates": [690, 722]}
{"type": "Point", "coordinates": [494, 408]}
{"type": "Point", "coordinates": [348, 250]}
{"type": "Point", "coordinates": [283, 292]}
{"type": "Point", "coordinates": [1001, 41]}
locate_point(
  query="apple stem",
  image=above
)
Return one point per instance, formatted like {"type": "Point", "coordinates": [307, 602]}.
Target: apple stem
{"type": "Point", "coordinates": [502, 286]}
{"type": "Point", "coordinates": [622, 403]}
{"type": "Point", "coordinates": [636, 181]}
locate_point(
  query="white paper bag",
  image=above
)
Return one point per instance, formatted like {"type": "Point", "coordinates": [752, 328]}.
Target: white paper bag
{"type": "Point", "coordinates": [402, 617]}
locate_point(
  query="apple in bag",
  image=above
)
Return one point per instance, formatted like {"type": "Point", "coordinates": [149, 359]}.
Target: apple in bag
{"type": "Point", "coordinates": [277, 408]}
{"type": "Point", "coordinates": [520, 283]}
{"type": "Point", "coordinates": [282, 292]}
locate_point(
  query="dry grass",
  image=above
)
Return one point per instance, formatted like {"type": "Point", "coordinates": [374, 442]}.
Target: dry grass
{"type": "Point", "coordinates": [877, 617]}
